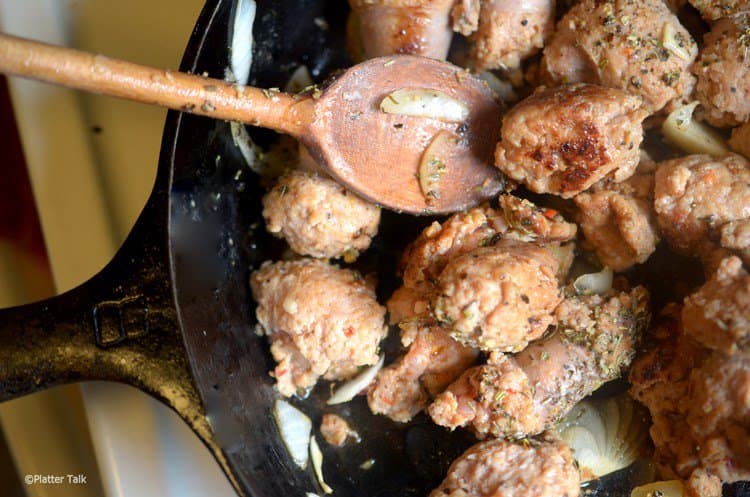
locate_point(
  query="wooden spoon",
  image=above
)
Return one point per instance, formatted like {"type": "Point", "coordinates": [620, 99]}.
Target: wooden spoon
{"type": "Point", "coordinates": [375, 154]}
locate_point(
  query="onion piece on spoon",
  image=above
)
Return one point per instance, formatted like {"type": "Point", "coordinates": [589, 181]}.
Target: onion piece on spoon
{"type": "Point", "coordinates": [421, 102]}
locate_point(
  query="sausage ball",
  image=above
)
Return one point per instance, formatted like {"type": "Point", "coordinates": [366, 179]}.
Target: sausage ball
{"type": "Point", "coordinates": [618, 219]}
{"type": "Point", "coordinates": [718, 314]}
{"type": "Point", "coordinates": [723, 73]}
{"type": "Point", "coordinates": [318, 217]}
{"type": "Point", "coordinates": [433, 361]}
{"type": "Point", "coordinates": [415, 27]}
{"type": "Point", "coordinates": [698, 194]}
{"type": "Point", "coordinates": [320, 320]}
{"type": "Point", "coordinates": [503, 33]}
{"type": "Point", "coordinates": [639, 47]}
{"type": "Point", "coordinates": [499, 297]}
{"type": "Point", "coordinates": [712, 10]}
{"type": "Point", "coordinates": [563, 140]}
{"type": "Point", "coordinates": [540, 467]}
{"type": "Point", "coordinates": [526, 394]}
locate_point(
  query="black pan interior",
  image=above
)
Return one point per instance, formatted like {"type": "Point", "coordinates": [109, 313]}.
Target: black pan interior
{"type": "Point", "coordinates": [217, 238]}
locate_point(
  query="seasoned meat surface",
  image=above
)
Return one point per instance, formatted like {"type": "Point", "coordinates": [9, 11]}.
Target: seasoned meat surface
{"type": "Point", "coordinates": [723, 87]}
{"type": "Point", "coordinates": [499, 297]}
{"type": "Point", "coordinates": [563, 140]}
{"type": "Point", "coordinates": [537, 467]}
{"type": "Point", "coordinates": [618, 219]}
{"type": "Point", "coordinates": [712, 10]}
{"type": "Point", "coordinates": [433, 360]}
{"type": "Point", "coordinates": [318, 217]}
{"type": "Point", "coordinates": [700, 406]}
{"type": "Point", "coordinates": [698, 194]}
{"type": "Point", "coordinates": [620, 44]}
{"type": "Point", "coordinates": [718, 315]}
{"type": "Point", "coordinates": [413, 27]}
{"type": "Point", "coordinates": [740, 140]}
{"type": "Point", "coordinates": [335, 430]}
{"type": "Point", "coordinates": [320, 320]}
{"type": "Point", "coordinates": [526, 394]}
{"type": "Point", "coordinates": [505, 32]}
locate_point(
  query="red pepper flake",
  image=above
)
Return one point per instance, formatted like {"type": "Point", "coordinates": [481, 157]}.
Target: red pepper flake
{"type": "Point", "coordinates": [549, 213]}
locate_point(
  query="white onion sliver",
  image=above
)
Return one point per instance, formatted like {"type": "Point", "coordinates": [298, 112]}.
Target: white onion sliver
{"type": "Point", "coordinates": [295, 428]}
{"type": "Point", "coordinates": [317, 461]}
{"type": "Point", "coordinates": [242, 40]}
{"type": "Point", "coordinates": [299, 80]}
{"type": "Point", "coordinates": [502, 88]}
{"type": "Point", "coordinates": [421, 102]}
{"type": "Point", "coordinates": [351, 388]}
{"type": "Point", "coordinates": [594, 283]}
{"type": "Point", "coordinates": [670, 42]}
{"type": "Point", "coordinates": [310, 494]}
{"type": "Point", "coordinates": [684, 132]}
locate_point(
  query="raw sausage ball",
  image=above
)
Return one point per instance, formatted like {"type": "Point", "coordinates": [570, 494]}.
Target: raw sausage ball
{"type": "Point", "coordinates": [723, 73]}
{"type": "Point", "coordinates": [542, 467]}
{"type": "Point", "coordinates": [639, 47]}
{"type": "Point", "coordinates": [499, 297]}
{"type": "Point", "coordinates": [320, 320]}
{"type": "Point", "coordinates": [563, 140]}
{"type": "Point", "coordinates": [318, 217]}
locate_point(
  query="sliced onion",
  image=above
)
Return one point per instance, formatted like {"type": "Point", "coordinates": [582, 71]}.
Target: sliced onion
{"type": "Point", "coordinates": [502, 88]}
{"type": "Point", "coordinates": [671, 43]}
{"type": "Point", "coordinates": [351, 388]}
{"type": "Point", "coordinates": [310, 494]}
{"type": "Point", "coordinates": [564, 254]}
{"type": "Point", "coordinates": [594, 283]}
{"type": "Point", "coordinates": [684, 132]}
{"type": "Point", "coordinates": [317, 461]}
{"type": "Point", "coordinates": [669, 488]}
{"type": "Point", "coordinates": [604, 435]}
{"type": "Point", "coordinates": [299, 80]}
{"type": "Point", "coordinates": [242, 40]}
{"type": "Point", "coordinates": [421, 102]}
{"type": "Point", "coordinates": [295, 428]}
{"type": "Point", "coordinates": [434, 163]}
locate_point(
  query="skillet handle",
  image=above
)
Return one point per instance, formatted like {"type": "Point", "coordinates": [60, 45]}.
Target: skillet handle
{"type": "Point", "coordinates": [120, 326]}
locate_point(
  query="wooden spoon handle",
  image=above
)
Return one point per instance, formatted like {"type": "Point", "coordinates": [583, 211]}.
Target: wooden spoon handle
{"type": "Point", "coordinates": [174, 90]}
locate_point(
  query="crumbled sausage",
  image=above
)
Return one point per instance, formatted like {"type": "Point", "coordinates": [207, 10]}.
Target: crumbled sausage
{"type": "Point", "coordinates": [335, 430]}
{"type": "Point", "coordinates": [320, 320]}
{"type": "Point", "coordinates": [620, 44]}
{"type": "Point", "coordinates": [538, 467]}
{"type": "Point", "coordinates": [318, 217]}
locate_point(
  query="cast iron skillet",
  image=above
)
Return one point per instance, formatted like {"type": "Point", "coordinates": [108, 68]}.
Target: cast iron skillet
{"type": "Point", "coordinates": [172, 313]}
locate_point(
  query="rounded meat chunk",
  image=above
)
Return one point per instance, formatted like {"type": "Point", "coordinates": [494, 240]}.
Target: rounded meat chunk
{"type": "Point", "coordinates": [503, 33]}
{"type": "Point", "coordinates": [499, 297]}
{"type": "Point", "coordinates": [320, 320]}
{"type": "Point", "coordinates": [414, 27]}
{"type": "Point", "coordinates": [563, 140]}
{"type": "Point", "coordinates": [318, 217]}
{"type": "Point", "coordinates": [712, 10]}
{"type": "Point", "coordinates": [538, 467]}
{"type": "Point", "coordinates": [526, 394]}
{"type": "Point", "coordinates": [639, 47]}
{"type": "Point", "coordinates": [698, 194]}
{"type": "Point", "coordinates": [723, 72]}
{"type": "Point", "coordinates": [433, 361]}
{"type": "Point", "coordinates": [698, 401]}
{"type": "Point", "coordinates": [618, 220]}
{"type": "Point", "coordinates": [718, 314]}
